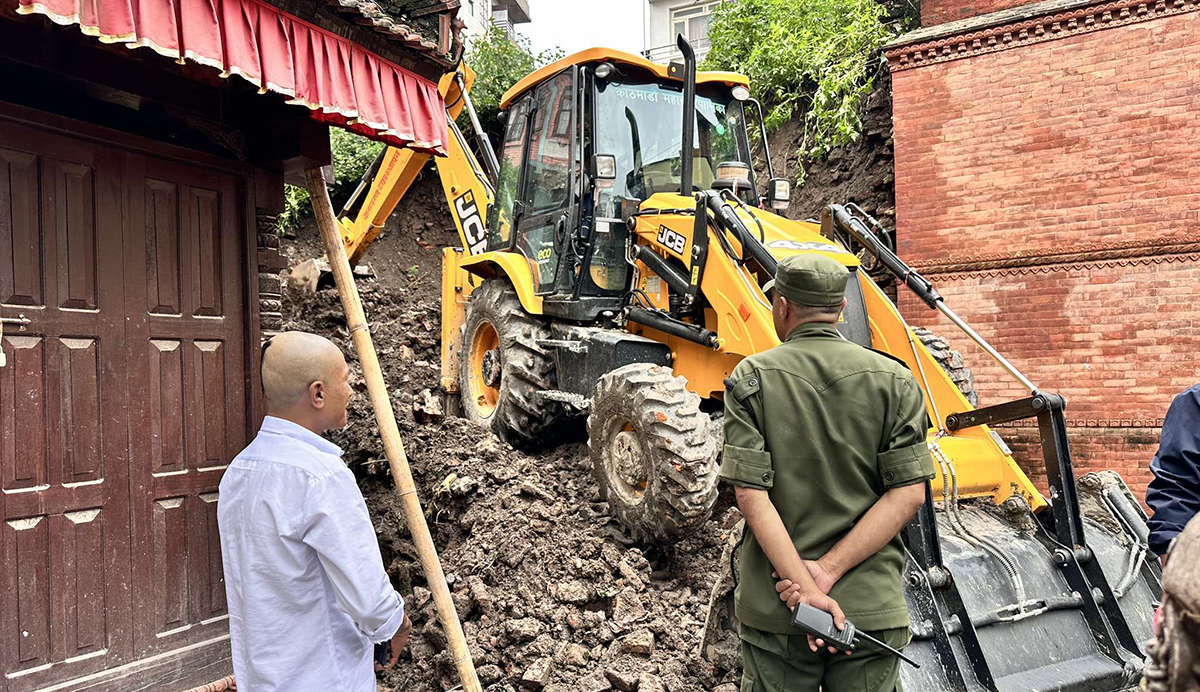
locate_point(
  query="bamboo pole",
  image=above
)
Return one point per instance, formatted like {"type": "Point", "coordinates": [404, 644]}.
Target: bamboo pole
{"type": "Point", "coordinates": [392, 444]}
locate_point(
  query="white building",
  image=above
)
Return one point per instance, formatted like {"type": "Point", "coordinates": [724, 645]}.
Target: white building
{"type": "Point", "coordinates": [477, 14]}
{"type": "Point", "coordinates": [669, 18]}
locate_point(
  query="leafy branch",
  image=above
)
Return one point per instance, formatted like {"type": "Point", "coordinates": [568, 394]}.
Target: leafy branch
{"type": "Point", "coordinates": [810, 58]}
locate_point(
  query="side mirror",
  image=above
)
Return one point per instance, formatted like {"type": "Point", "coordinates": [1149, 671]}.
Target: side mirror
{"type": "Point", "coordinates": [604, 167]}
{"type": "Point", "coordinates": [779, 193]}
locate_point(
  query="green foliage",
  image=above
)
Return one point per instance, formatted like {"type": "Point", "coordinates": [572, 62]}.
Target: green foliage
{"type": "Point", "coordinates": [500, 62]}
{"type": "Point", "coordinates": [811, 58]}
{"type": "Point", "coordinates": [352, 155]}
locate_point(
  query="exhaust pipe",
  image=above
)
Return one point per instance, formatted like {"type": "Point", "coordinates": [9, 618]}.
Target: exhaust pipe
{"type": "Point", "coordinates": [689, 115]}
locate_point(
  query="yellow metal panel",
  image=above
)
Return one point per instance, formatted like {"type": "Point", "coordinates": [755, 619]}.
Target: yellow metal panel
{"type": "Point", "coordinates": [456, 288]}
{"type": "Point", "coordinates": [397, 172]}
{"type": "Point", "coordinates": [514, 267]}
{"type": "Point", "coordinates": [980, 465]}
{"type": "Point", "coordinates": [598, 54]}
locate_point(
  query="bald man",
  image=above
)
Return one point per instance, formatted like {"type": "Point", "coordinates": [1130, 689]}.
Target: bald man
{"type": "Point", "coordinates": [308, 596]}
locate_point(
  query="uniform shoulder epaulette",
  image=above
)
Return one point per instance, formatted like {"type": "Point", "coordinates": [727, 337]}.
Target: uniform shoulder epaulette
{"type": "Point", "coordinates": [740, 389]}
{"type": "Point", "coordinates": [889, 356]}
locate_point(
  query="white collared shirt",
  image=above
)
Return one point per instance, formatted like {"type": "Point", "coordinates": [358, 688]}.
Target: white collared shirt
{"type": "Point", "coordinates": [308, 596]}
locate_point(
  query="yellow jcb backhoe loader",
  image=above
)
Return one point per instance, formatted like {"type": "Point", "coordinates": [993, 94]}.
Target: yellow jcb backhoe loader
{"type": "Point", "coordinates": [611, 264]}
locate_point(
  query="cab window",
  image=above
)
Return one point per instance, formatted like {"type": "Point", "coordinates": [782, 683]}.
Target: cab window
{"type": "Point", "coordinates": [546, 183]}
{"type": "Point", "coordinates": [512, 153]}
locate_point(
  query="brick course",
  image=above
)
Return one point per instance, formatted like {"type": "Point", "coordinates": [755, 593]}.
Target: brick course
{"type": "Point", "coordinates": [1050, 192]}
{"type": "Point", "coordinates": [934, 12]}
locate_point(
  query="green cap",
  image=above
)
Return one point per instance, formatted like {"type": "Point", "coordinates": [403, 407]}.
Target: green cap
{"type": "Point", "coordinates": [810, 279]}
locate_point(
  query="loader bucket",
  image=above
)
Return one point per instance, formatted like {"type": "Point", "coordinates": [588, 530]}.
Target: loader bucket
{"type": "Point", "coordinates": [1030, 630]}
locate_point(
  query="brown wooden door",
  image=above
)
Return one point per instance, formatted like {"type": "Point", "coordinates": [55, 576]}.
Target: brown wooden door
{"type": "Point", "coordinates": [185, 301]}
{"type": "Point", "coordinates": [121, 403]}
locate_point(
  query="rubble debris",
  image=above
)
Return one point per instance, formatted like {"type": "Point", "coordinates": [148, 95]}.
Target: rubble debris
{"type": "Point", "coordinates": [550, 591]}
{"type": "Point", "coordinates": [427, 407]}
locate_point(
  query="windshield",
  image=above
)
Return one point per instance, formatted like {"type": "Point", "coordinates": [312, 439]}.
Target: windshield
{"type": "Point", "coordinates": [640, 124]}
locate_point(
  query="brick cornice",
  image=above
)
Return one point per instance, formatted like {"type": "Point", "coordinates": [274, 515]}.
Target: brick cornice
{"type": "Point", "coordinates": [1095, 423]}
{"type": "Point", "coordinates": [1128, 253]}
{"type": "Point", "coordinates": [1048, 27]}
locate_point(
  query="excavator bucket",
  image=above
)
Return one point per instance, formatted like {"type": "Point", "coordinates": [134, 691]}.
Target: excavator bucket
{"type": "Point", "coordinates": [1033, 626]}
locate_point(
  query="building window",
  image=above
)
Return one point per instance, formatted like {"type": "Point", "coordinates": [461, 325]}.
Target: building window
{"type": "Point", "coordinates": [692, 21]}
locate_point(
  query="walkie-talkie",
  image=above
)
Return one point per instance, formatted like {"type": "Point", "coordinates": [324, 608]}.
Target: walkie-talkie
{"type": "Point", "coordinates": [383, 653]}
{"type": "Point", "coordinates": [819, 624]}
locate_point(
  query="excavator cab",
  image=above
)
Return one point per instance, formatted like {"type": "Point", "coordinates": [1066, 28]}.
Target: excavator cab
{"type": "Point", "coordinates": [583, 149]}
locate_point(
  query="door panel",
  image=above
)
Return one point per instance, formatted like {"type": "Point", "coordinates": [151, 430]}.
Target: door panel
{"type": "Point", "coordinates": [64, 485]}
{"type": "Point", "coordinates": [188, 341]}
{"type": "Point", "coordinates": [20, 236]}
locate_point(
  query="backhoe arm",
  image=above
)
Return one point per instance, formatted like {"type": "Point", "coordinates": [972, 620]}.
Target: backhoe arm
{"type": "Point", "coordinates": [469, 191]}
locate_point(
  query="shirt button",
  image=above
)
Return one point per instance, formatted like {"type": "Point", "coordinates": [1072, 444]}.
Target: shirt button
{"type": "Point", "coordinates": [753, 382]}
{"type": "Point", "coordinates": [889, 476]}
{"type": "Point", "coordinates": [766, 478]}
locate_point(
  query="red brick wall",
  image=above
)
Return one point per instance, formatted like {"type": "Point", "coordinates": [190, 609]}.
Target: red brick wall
{"type": "Point", "coordinates": [934, 12]}
{"type": "Point", "coordinates": [1051, 192]}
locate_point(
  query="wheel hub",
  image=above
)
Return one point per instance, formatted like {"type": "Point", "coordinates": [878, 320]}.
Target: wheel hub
{"type": "Point", "coordinates": [629, 463]}
{"type": "Point", "coordinates": [491, 368]}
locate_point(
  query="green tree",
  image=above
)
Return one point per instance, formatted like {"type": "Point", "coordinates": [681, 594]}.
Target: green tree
{"type": "Point", "coordinates": [810, 58]}
{"type": "Point", "coordinates": [352, 155]}
{"type": "Point", "coordinates": [500, 62]}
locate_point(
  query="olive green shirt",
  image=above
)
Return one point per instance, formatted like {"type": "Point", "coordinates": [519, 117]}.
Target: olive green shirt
{"type": "Point", "coordinates": [826, 427]}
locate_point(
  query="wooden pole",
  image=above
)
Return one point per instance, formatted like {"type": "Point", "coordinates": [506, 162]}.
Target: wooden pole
{"type": "Point", "coordinates": [392, 444]}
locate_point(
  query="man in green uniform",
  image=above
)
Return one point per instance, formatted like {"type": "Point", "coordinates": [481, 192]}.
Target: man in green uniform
{"type": "Point", "coordinates": [825, 443]}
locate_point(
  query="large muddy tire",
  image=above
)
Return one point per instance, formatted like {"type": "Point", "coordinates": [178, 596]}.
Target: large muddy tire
{"type": "Point", "coordinates": [503, 368]}
{"type": "Point", "coordinates": [653, 452]}
{"type": "Point", "coordinates": [951, 361]}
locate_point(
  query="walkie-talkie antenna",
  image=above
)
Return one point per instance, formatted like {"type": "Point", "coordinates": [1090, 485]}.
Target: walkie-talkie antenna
{"type": "Point", "coordinates": [880, 644]}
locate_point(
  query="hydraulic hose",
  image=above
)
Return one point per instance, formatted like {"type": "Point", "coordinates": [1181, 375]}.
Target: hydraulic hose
{"type": "Point", "coordinates": [728, 218]}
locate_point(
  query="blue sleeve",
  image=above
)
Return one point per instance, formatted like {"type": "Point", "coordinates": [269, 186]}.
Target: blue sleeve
{"type": "Point", "coordinates": [1174, 494]}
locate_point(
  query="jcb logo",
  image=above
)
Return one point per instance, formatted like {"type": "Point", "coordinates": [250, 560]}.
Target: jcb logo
{"type": "Point", "coordinates": [472, 226]}
{"type": "Point", "coordinates": [671, 240]}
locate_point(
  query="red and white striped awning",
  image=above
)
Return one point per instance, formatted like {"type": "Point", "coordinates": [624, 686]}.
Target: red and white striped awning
{"type": "Point", "coordinates": [339, 82]}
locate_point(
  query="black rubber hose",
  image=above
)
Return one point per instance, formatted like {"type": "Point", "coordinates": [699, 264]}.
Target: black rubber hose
{"type": "Point", "coordinates": [728, 218]}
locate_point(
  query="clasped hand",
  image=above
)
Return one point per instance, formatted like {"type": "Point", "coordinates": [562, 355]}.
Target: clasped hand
{"type": "Point", "coordinates": [793, 594]}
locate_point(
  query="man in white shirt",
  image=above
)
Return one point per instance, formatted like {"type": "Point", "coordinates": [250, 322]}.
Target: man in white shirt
{"type": "Point", "coordinates": [308, 595]}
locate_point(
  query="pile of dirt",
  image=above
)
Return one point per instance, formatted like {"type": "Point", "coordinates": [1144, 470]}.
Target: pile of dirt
{"type": "Point", "coordinates": [552, 594]}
